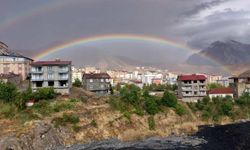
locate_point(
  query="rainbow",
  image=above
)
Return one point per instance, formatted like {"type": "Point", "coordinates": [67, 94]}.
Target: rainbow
{"type": "Point", "coordinates": [115, 37]}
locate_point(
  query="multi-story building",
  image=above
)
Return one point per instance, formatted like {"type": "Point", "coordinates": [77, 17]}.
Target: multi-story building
{"type": "Point", "coordinates": [12, 62]}
{"type": "Point", "coordinates": [55, 74]}
{"type": "Point", "coordinates": [191, 87]}
{"type": "Point", "coordinates": [98, 83]}
{"type": "Point", "coordinates": [240, 84]}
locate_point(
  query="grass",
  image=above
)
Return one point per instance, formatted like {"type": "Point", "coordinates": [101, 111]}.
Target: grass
{"type": "Point", "coordinates": [65, 119]}
{"type": "Point", "coordinates": [151, 123]}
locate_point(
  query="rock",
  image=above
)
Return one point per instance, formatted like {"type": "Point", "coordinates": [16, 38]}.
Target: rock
{"type": "Point", "coordinates": [41, 136]}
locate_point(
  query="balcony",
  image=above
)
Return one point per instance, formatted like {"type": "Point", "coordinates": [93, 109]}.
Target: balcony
{"type": "Point", "coordinates": [63, 70]}
{"type": "Point", "coordinates": [37, 79]}
{"type": "Point", "coordinates": [186, 89]}
{"type": "Point", "coordinates": [63, 77]}
{"type": "Point", "coordinates": [37, 71]}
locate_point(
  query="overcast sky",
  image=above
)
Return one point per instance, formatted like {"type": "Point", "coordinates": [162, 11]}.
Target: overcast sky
{"type": "Point", "coordinates": [38, 24]}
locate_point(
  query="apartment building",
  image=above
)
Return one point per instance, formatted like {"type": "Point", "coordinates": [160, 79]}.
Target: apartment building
{"type": "Point", "coordinates": [240, 84]}
{"type": "Point", "coordinates": [191, 87]}
{"type": "Point", "coordinates": [56, 74]}
{"type": "Point", "coordinates": [98, 83]}
{"type": "Point", "coordinates": [12, 62]}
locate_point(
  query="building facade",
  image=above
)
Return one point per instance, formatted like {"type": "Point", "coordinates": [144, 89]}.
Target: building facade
{"type": "Point", "coordinates": [11, 62]}
{"type": "Point", "coordinates": [11, 78]}
{"type": "Point", "coordinates": [220, 92]}
{"type": "Point", "coordinates": [191, 87]}
{"type": "Point", "coordinates": [98, 83]}
{"type": "Point", "coordinates": [56, 74]}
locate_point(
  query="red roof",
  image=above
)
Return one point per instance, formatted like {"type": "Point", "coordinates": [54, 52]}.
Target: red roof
{"type": "Point", "coordinates": [96, 76]}
{"type": "Point", "coordinates": [56, 62]}
{"type": "Point", "coordinates": [221, 91]}
{"type": "Point", "coordinates": [191, 77]}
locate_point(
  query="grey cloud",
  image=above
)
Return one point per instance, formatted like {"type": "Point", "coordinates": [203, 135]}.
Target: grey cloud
{"type": "Point", "coordinates": [204, 6]}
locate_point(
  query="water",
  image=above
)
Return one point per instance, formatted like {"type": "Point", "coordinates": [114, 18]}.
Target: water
{"type": "Point", "coordinates": [227, 137]}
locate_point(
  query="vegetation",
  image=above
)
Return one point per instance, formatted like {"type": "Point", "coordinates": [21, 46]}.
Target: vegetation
{"type": "Point", "coordinates": [132, 99]}
{"type": "Point", "coordinates": [77, 83]}
{"type": "Point", "coordinates": [12, 103]}
{"type": "Point", "coordinates": [160, 87]}
{"type": "Point", "coordinates": [66, 119]}
{"type": "Point", "coordinates": [151, 123]}
{"type": "Point", "coordinates": [214, 86]}
{"type": "Point", "coordinates": [218, 107]}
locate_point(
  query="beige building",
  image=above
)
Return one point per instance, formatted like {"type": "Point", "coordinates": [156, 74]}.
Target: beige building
{"type": "Point", "coordinates": [191, 87]}
{"type": "Point", "coordinates": [76, 74]}
{"type": "Point", "coordinates": [56, 74]}
{"type": "Point", "coordinates": [11, 62]}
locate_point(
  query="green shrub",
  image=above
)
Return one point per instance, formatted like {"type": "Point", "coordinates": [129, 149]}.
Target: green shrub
{"type": "Point", "coordinates": [131, 94]}
{"type": "Point", "coordinates": [60, 106]}
{"type": "Point", "coordinates": [8, 110]}
{"type": "Point", "coordinates": [180, 110]}
{"type": "Point", "coordinates": [151, 123]}
{"type": "Point", "coordinates": [45, 94]}
{"type": "Point", "coordinates": [65, 119]}
{"type": "Point", "coordinates": [226, 108]}
{"type": "Point", "coordinates": [70, 118]}
{"type": "Point", "coordinates": [93, 123]}
{"type": "Point", "coordinates": [151, 106]}
{"type": "Point", "coordinates": [76, 128]}
{"type": "Point", "coordinates": [8, 92]}
{"type": "Point", "coordinates": [206, 115]}
{"type": "Point", "coordinates": [169, 99]}
{"type": "Point", "coordinates": [43, 107]}
{"type": "Point", "coordinates": [77, 83]}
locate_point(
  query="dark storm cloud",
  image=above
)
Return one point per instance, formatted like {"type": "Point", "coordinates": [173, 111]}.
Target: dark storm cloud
{"type": "Point", "coordinates": [204, 21]}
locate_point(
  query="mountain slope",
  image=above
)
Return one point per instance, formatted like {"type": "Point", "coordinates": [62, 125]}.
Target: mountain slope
{"type": "Point", "coordinates": [226, 53]}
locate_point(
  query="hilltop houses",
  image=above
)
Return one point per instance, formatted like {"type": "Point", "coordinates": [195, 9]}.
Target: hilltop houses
{"type": "Point", "coordinates": [12, 62]}
{"type": "Point", "coordinates": [55, 74]}
{"type": "Point", "coordinates": [191, 87]}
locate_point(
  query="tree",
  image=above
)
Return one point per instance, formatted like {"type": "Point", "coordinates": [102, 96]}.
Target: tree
{"type": "Point", "coordinates": [77, 83]}
{"type": "Point", "coordinates": [169, 99]}
{"type": "Point", "coordinates": [214, 86]}
{"type": "Point", "coordinates": [151, 106]}
{"type": "Point", "coordinates": [130, 93]}
{"type": "Point", "coordinates": [8, 92]}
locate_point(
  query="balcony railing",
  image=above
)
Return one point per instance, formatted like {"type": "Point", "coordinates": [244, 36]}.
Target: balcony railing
{"type": "Point", "coordinates": [63, 78]}
{"type": "Point", "coordinates": [63, 70]}
{"type": "Point", "coordinates": [37, 78]}
{"type": "Point", "coordinates": [36, 71]}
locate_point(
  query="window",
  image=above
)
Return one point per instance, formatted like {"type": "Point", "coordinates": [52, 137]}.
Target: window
{"type": "Point", "coordinates": [39, 84]}
{"type": "Point", "coordinates": [51, 83]}
{"type": "Point", "coordinates": [195, 81]}
{"type": "Point", "coordinates": [195, 93]}
{"type": "Point", "coordinates": [49, 68]}
{"type": "Point", "coordinates": [50, 76]}
{"type": "Point", "coordinates": [90, 80]}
